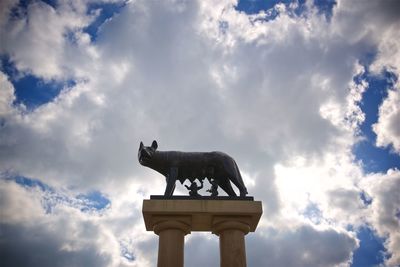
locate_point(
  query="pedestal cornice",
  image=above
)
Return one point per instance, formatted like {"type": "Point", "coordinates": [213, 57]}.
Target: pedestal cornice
{"type": "Point", "coordinates": [201, 215]}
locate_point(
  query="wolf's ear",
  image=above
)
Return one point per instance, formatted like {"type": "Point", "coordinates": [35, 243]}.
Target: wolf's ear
{"type": "Point", "coordinates": [154, 145]}
{"type": "Point", "coordinates": [141, 145]}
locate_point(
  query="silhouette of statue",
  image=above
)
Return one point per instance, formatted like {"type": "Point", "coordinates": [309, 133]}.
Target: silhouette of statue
{"type": "Point", "coordinates": [175, 165]}
{"type": "Point", "coordinates": [214, 188]}
{"type": "Point", "coordinates": [194, 188]}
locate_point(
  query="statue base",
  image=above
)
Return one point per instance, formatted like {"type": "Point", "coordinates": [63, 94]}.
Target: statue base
{"type": "Point", "coordinates": [174, 217]}
{"type": "Point", "coordinates": [202, 197]}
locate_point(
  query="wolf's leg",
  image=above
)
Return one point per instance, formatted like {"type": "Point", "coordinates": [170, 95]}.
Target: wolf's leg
{"type": "Point", "coordinates": [242, 189]}
{"type": "Point", "coordinates": [226, 186]}
{"type": "Point", "coordinates": [171, 179]}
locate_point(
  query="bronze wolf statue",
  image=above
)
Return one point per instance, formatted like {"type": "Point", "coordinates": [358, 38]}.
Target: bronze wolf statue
{"type": "Point", "coordinates": [176, 165]}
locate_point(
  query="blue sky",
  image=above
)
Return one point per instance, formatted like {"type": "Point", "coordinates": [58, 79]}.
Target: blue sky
{"type": "Point", "coordinates": [304, 94]}
{"type": "Point", "coordinates": [375, 159]}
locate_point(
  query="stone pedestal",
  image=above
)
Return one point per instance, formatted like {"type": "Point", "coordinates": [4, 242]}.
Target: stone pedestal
{"type": "Point", "coordinates": [231, 220]}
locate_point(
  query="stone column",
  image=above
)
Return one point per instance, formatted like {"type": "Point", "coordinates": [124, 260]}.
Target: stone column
{"type": "Point", "coordinates": [171, 242]}
{"type": "Point", "coordinates": [232, 248]}
{"type": "Point", "coordinates": [172, 219]}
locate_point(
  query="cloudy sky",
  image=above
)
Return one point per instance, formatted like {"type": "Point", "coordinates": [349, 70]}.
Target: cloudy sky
{"type": "Point", "coordinates": [304, 95]}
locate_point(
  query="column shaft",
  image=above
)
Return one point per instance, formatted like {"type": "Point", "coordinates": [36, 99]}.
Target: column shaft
{"type": "Point", "coordinates": [231, 241]}
{"type": "Point", "coordinates": [171, 242]}
{"type": "Point", "coordinates": [232, 248]}
{"type": "Point", "coordinates": [171, 248]}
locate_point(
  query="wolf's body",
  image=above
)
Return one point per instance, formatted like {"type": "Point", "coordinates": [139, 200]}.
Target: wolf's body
{"type": "Point", "coordinates": [176, 165]}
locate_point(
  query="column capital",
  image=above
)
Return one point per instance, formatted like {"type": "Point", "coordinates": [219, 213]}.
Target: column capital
{"type": "Point", "coordinates": [171, 224]}
{"type": "Point", "coordinates": [222, 225]}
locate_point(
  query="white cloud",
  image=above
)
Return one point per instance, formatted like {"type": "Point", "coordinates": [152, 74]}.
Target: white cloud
{"type": "Point", "coordinates": [68, 237]}
{"type": "Point", "coordinates": [48, 42]}
{"type": "Point", "coordinates": [384, 213]}
{"type": "Point", "coordinates": [67, 234]}
{"type": "Point", "coordinates": [277, 95]}
{"type": "Point", "coordinates": [201, 249]}
{"type": "Point", "coordinates": [5, 9]}
{"type": "Point", "coordinates": [329, 184]}
{"type": "Point", "coordinates": [290, 249]}
{"type": "Point", "coordinates": [387, 128]}
{"type": "Point", "coordinates": [7, 96]}
{"type": "Point", "coordinates": [13, 199]}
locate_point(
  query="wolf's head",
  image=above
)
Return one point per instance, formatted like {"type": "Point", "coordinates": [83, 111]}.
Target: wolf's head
{"type": "Point", "coordinates": [146, 153]}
